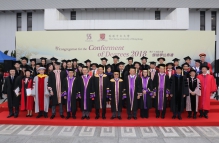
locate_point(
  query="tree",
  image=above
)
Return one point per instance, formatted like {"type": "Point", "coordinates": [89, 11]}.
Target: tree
{"type": "Point", "coordinates": [6, 52]}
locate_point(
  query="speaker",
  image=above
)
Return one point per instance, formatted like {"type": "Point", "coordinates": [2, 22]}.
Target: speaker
{"type": "Point", "coordinates": [7, 65]}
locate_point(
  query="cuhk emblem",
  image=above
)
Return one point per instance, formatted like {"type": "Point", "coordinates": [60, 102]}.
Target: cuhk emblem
{"type": "Point", "coordinates": [102, 36]}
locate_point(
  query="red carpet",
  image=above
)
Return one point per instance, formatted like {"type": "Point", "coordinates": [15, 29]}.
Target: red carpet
{"type": "Point", "coordinates": [152, 121]}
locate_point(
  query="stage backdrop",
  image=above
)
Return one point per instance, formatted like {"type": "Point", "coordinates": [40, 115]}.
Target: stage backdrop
{"type": "Point", "coordinates": [94, 44]}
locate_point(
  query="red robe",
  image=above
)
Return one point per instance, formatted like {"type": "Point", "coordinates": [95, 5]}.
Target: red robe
{"type": "Point", "coordinates": [210, 68]}
{"type": "Point", "coordinates": [208, 86]}
{"type": "Point", "coordinates": [26, 101]}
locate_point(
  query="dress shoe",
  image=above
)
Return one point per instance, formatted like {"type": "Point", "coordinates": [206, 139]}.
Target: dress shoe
{"type": "Point", "coordinates": [30, 115]}
{"type": "Point", "coordinates": [38, 116]}
{"type": "Point", "coordinates": [97, 117]}
{"type": "Point", "coordinates": [62, 116]}
{"type": "Point", "coordinates": [15, 116]}
{"type": "Point", "coordinates": [129, 118]}
{"type": "Point", "coordinates": [206, 116]}
{"type": "Point", "coordinates": [74, 117]}
{"type": "Point", "coordinates": [104, 117]}
{"type": "Point", "coordinates": [162, 117]}
{"type": "Point", "coordinates": [67, 117]}
{"type": "Point", "coordinates": [157, 116]}
{"type": "Point", "coordinates": [10, 115]}
{"type": "Point", "coordinates": [189, 116]}
{"type": "Point", "coordinates": [173, 117]}
{"type": "Point", "coordinates": [83, 117]}
{"type": "Point", "coordinates": [135, 118]}
{"type": "Point", "coordinates": [112, 118]}
{"type": "Point", "coordinates": [194, 117]}
{"type": "Point", "coordinates": [200, 116]}
{"type": "Point", "coordinates": [27, 115]}
{"type": "Point", "coordinates": [52, 117]}
{"type": "Point", "coordinates": [88, 117]}
{"type": "Point", "coordinates": [179, 117]}
{"type": "Point", "coordinates": [119, 117]}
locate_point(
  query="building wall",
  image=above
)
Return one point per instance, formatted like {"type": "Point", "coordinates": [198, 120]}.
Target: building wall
{"type": "Point", "coordinates": [8, 21]}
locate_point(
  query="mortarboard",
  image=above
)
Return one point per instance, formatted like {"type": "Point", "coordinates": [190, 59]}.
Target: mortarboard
{"type": "Point", "coordinates": [115, 57]}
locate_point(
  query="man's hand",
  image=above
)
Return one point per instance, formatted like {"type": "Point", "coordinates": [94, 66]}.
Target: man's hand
{"type": "Point", "coordinates": [171, 95]}
{"type": "Point", "coordinates": [154, 94]}
{"type": "Point", "coordinates": [6, 95]}
{"type": "Point", "coordinates": [184, 95]}
{"type": "Point", "coordinates": [144, 91]}
{"type": "Point", "coordinates": [167, 95]}
{"type": "Point", "coordinates": [65, 97]}
{"type": "Point", "coordinates": [51, 92]}
{"type": "Point", "coordinates": [193, 93]}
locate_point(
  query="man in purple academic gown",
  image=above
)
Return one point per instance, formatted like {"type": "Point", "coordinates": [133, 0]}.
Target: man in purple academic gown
{"type": "Point", "coordinates": [133, 91]}
{"type": "Point", "coordinates": [69, 91]}
{"type": "Point", "coordinates": [161, 92]}
{"type": "Point", "coordinates": [86, 93]}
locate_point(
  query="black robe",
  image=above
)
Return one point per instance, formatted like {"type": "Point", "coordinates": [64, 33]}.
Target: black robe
{"type": "Point", "coordinates": [34, 72]}
{"type": "Point", "coordinates": [179, 87]}
{"type": "Point", "coordinates": [192, 86]}
{"type": "Point", "coordinates": [89, 92]}
{"type": "Point", "coordinates": [96, 87]}
{"type": "Point", "coordinates": [116, 106]}
{"type": "Point", "coordinates": [166, 88]}
{"type": "Point", "coordinates": [127, 67]}
{"type": "Point", "coordinates": [144, 66]}
{"type": "Point", "coordinates": [137, 91]}
{"type": "Point", "coordinates": [115, 67]}
{"type": "Point", "coordinates": [9, 87]}
{"type": "Point", "coordinates": [52, 84]}
{"type": "Point", "coordinates": [123, 74]}
{"type": "Point", "coordinates": [74, 91]}
{"type": "Point", "coordinates": [18, 73]}
{"type": "Point", "coordinates": [148, 96]}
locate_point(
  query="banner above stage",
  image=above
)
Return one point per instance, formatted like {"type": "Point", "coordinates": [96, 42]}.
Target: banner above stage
{"type": "Point", "coordinates": [95, 44]}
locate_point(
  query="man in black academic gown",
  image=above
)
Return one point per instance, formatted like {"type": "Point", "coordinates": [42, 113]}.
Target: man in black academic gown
{"type": "Point", "coordinates": [176, 63]}
{"type": "Point", "coordinates": [8, 90]}
{"type": "Point", "coordinates": [116, 87]}
{"type": "Point", "coordinates": [115, 64]}
{"type": "Point", "coordinates": [122, 73]}
{"type": "Point", "coordinates": [101, 86]}
{"type": "Point", "coordinates": [197, 66]}
{"type": "Point", "coordinates": [133, 91]}
{"type": "Point", "coordinates": [88, 64]}
{"type": "Point", "coordinates": [161, 60]}
{"type": "Point", "coordinates": [86, 91]}
{"type": "Point", "coordinates": [53, 60]}
{"type": "Point", "coordinates": [185, 69]}
{"type": "Point", "coordinates": [43, 62]}
{"type": "Point", "coordinates": [188, 61]}
{"type": "Point", "coordinates": [137, 66]}
{"type": "Point", "coordinates": [70, 91]}
{"type": "Point", "coordinates": [152, 72]}
{"type": "Point", "coordinates": [33, 67]}
{"type": "Point", "coordinates": [54, 86]}
{"type": "Point", "coordinates": [24, 61]}
{"type": "Point", "coordinates": [75, 67]}
{"type": "Point", "coordinates": [130, 64]}
{"type": "Point", "coordinates": [161, 85]}
{"type": "Point", "coordinates": [144, 63]}
{"type": "Point", "coordinates": [104, 64]}
{"type": "Point", "coordinates": [17, 66]}
{"type": "Point", "coordinates": [178, 92]}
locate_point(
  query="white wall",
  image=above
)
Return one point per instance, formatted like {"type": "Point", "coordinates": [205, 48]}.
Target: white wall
{"type": "Point", "coordinates": [7, 31]}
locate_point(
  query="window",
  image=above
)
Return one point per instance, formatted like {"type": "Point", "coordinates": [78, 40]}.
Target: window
{"type": "Point", "coordinates": [18, 21]}
{"type": "Point", "coordinates": [213, 21]}
{"type": "Point", "coordinates": [73, 15]}
{"type": "Point", "coordinates": [202, 20]}
{"type": "Point", "coordinates": [157, 15]}
{"type": "Point", "coordinates": [29, 21]}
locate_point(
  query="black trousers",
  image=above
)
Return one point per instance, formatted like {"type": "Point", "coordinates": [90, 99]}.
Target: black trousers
{"type": "Point", "coordinates": [190, 113]}
{"type": "Point", "coordinates": [144, 113]}
{"type": "Point", "coordinates": [11, 110]}
{"type": "Point", "coordinates": [103, 112]}
{"type": "Point", "coordinates": [132, 113]}
{"type": "Point", "coordinates": [69, 114]}
{"type": "Point", "coordinates": [163, 112]}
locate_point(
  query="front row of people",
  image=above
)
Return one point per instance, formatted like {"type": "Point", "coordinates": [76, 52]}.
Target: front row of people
{"type": "Point", "coordinates": [139, 92]}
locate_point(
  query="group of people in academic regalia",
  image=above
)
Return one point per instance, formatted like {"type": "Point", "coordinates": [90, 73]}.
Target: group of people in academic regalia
{"type": "Point", "coordinates": [135, 86]}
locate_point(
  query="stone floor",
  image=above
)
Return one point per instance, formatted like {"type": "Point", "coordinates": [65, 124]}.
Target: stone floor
{"type": "Point", "coordinates": [73, 134]}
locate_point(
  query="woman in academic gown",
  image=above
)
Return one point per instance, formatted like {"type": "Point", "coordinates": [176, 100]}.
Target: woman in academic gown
{"type": "Point", "coordinates": [147, 93]}
{"type": "Point", "coordinates": [27, 101]}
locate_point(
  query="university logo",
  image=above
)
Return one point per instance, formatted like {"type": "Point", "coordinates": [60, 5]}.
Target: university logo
{"type": "Point", "coordinates": [102, 36]}
{"type": "Point", "coordinates": [89, 37]}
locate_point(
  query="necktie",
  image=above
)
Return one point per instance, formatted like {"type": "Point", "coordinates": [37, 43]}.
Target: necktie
{"type": "Point", "coordinates": [12, 78]}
